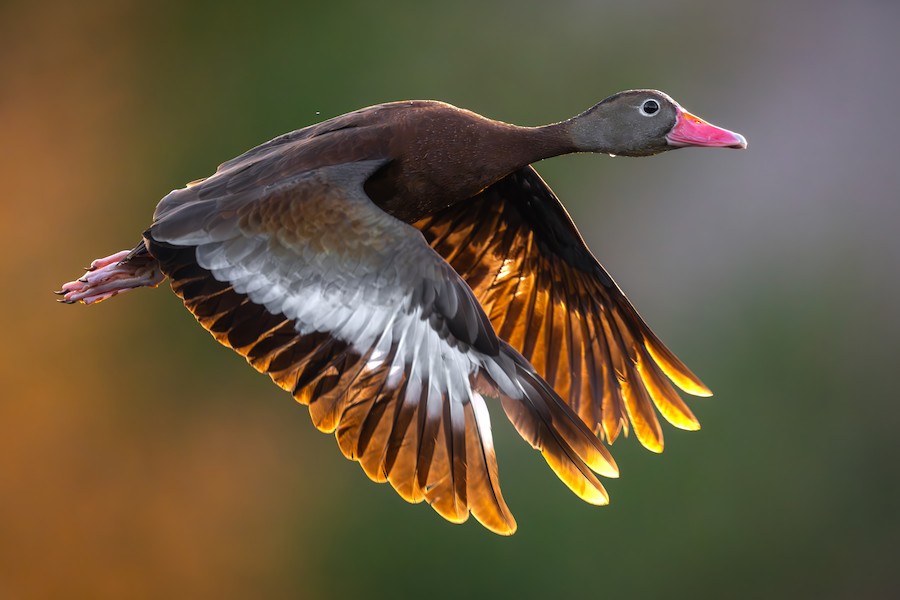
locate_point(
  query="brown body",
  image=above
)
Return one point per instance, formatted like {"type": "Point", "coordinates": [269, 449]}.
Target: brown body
{"type": "Point", "coordinates": [438, 154]}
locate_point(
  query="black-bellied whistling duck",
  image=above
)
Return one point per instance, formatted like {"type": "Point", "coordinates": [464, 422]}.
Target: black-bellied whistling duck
{"type": "Point", "coordinates": [394, 266]}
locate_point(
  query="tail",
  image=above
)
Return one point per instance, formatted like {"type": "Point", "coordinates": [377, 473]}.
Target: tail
{"type": "Point", "coordinates": [546, 422]}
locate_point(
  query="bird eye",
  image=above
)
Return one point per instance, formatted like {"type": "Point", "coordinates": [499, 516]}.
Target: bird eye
{"type": "Point", "coordinates": [649, 108]}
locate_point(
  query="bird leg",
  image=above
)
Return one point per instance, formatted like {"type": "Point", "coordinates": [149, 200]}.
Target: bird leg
{"type": "Point", "coordinates": [111, 275]}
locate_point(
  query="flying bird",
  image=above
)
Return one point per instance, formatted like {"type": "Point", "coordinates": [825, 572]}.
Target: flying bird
{"type": "Point", "coordinates": [399, 267]}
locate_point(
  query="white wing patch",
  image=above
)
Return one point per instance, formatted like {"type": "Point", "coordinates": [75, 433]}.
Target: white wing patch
{"type": "Point", "coordinates": [366, 303]}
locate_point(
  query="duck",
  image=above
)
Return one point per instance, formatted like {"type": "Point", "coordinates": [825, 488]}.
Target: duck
{"type": "Point", "coordinates": [398, 268]}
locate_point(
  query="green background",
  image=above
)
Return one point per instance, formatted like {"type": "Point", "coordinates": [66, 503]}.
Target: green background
{"type": "Point", "coordinates": [140, 460]}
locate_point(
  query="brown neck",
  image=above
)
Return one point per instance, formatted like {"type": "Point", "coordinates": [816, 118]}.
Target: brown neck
{"type": "Point", "coordinates": [521, 146]}
{"type": "Point", "coordinates": [455, 158]}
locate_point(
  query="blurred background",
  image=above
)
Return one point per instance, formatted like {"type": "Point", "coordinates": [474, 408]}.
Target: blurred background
{"type": "Point", "coordinates": [138, 459]}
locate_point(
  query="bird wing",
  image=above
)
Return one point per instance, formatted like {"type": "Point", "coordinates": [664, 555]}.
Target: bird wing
{"type": "Point", "coordinates": [352, 312]}
{"type": "Point", "coordinates": [547, 296]}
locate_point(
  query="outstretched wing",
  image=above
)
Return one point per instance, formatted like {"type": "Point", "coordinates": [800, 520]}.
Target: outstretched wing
{"type": "Point", "coordinates": [349, 310]}
{"type": "Point", "coordinates": [547, 296]}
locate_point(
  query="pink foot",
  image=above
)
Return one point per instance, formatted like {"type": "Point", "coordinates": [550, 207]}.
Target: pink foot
{"type": "Point", "coordinates": [111, 275]}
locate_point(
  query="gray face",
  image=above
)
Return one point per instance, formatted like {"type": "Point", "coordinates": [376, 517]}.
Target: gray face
{"type": "Point", "coordinates": [632, 123]}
